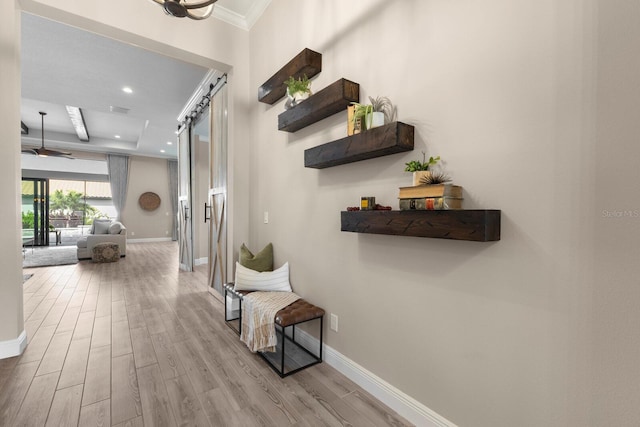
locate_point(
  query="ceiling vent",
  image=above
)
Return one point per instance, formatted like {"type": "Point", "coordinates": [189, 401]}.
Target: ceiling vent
{"type": "Point", "coordinates": [119, 110]}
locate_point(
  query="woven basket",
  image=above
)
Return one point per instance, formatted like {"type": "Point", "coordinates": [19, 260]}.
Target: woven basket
{"type": "Point", "coordinates": [149, 201]}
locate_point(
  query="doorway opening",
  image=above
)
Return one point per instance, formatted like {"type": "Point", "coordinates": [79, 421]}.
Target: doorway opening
{"type": "Point", "coordinates": [59, 212]}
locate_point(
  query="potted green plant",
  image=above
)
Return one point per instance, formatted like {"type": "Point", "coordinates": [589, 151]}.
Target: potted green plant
{"type": "Point", "coordinates": [379, 112]}
{"type": "Point", "coordinates": [297, 90]}
{"type": "Point", "coordinates": [383, 110]}
{"type": "Point", "coordinates": [420, 169]}
{"type": "Point", "coordinates": [361, 114]}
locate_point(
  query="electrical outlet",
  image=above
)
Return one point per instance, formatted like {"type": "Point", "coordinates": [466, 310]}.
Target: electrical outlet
{"type": "Point", "coordinates": [266, 217]}
{"type": "Point", "coordinates": [334, 322]}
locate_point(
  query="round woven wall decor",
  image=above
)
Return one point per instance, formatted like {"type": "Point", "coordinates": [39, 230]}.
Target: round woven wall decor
{"type": "Point", "coordinates": [149, 201]}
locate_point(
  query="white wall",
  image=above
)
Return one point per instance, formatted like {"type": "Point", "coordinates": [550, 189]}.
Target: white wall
{"type": "Point", "coordinates": [485, 334]}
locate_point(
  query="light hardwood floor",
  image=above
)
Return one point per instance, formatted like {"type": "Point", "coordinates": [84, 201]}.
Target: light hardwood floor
{"type": "Point", "coordinates": [138, 343]}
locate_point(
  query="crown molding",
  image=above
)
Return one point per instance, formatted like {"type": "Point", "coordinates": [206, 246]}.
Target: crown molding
{"type": "Point", "coordinates": [244, 22]}
{"type": "Point", "coordinates": [230, 17]}
{"type": "Point", "coordinates": [256, 11]}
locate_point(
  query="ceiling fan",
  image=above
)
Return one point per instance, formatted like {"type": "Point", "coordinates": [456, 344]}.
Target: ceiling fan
{"type": "Point", "coordinates": [43, 152]}
{"type": "Point", "coordinates": [183, 8]}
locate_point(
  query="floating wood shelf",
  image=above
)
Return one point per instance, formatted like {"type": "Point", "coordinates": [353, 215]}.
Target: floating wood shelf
{"type": "Point", "coordinates": [329, 101]}
{"type": "Point", "coordinates": [393, 138]}
{"type": "Point", "coordinates": [467, 224]}
{"type": "Point", "coordinates": [307, 62]}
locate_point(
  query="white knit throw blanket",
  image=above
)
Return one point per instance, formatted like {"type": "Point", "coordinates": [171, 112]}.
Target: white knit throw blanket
{"type": "Point", "coordinates": [258, 318]}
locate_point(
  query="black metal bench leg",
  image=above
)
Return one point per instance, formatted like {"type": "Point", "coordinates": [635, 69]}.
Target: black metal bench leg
{"type": "Point", "coordinates": [284, 339]}
{"type": "Point", "coordinates": [240, 317]}
{"type": "Point", "coordinates": [321, 319]}
{"type": "Point", "coordinates": [226, 313]}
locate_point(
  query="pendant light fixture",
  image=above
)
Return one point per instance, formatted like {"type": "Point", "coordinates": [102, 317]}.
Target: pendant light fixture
{"type": "Point", "coordinates": [187, 8]}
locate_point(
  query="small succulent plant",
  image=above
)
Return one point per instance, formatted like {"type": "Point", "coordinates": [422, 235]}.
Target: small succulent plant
{"type": "Point", "coordinates": [438, 177]}
{"type": "Point", "coordinates": [384, 105]}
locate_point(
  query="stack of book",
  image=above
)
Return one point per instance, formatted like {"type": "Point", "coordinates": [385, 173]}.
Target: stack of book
{"type": "Point", "coordinates": [431, 197]}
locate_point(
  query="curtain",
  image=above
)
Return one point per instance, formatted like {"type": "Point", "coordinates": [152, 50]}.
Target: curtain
{"type": "Point", "coordinates": [118, 168]}
{"type": "Point", "coordinates": [172, 167]}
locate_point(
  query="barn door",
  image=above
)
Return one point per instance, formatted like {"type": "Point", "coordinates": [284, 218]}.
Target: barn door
{"type": "Point", "coordinates": [185, 226]}
{"type": "Point", "coordinates": [218, 192]}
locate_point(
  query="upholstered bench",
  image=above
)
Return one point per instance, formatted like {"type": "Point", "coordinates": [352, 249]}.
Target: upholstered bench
{"type": "Point", "coordinates": [287, 359]}
{"type": "Point", "coordinates": [105, 252]}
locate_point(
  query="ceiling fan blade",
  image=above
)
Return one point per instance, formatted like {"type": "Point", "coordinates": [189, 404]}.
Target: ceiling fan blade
{"type": "Point", "coordinates": [52, 153]}
{"type": "Point", "coordinates": [29, 151]}
{"type": "Point", "coordinates": [59, 154]}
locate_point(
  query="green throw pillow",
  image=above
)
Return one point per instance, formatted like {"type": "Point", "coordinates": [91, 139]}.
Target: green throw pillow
{"type": "Point", "coordinates": [262, 261]}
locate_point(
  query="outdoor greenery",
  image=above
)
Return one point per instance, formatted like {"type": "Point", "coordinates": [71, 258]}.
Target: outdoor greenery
{"type": "Point", "coordinates": [61, 203]}
{"type": "Point", "coordinates": [27, 220]}
{"type": "Point", "coordinates": [72, 203]}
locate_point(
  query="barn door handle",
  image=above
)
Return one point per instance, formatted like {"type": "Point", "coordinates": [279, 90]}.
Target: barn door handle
{"type": "Point", "coordinates": [186, 215]}
{"type": "Point", "coordinates": [205, 212]}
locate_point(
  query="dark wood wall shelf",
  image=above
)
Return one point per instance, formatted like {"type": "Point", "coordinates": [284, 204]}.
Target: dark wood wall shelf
{"type": "Point", "coordinates": [393, 138]}
{"type": "Point", "coordinates": [327, 102]}
{"type": "Point", "coordinates": [306, 62]}
{"type": "Point", "coordinates": [467, 224]}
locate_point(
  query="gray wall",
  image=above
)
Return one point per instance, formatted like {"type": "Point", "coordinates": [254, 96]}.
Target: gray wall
{"type": "Point", "coordinates": [532, 106]}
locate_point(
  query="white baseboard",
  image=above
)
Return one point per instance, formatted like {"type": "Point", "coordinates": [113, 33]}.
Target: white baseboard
{"type": "Point", "coordinates": [201, 261]}
{"type": "Point", "coordinates": [403, 404]}
{"type": "Point", "coordinates": [149, 240]}
{"type": "Point", "coordinates": [14, 347]}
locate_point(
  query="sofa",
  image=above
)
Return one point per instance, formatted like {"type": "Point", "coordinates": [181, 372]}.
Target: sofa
{"type": "Point", "coordinates": [103, 231]}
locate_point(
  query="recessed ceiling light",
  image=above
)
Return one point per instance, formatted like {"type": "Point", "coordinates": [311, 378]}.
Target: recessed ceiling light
{"type": "Point", "coordinates": [127, 89]}
{"type": "Point", "coordinates": [169, 143]}
{"type": "Point", "coordinates": [116, 136]}
{"type": "Point", "coordinates": [162, 151]}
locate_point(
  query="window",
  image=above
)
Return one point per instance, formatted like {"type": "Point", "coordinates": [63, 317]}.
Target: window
{"type": "Point", "coordinates": [77, 203]}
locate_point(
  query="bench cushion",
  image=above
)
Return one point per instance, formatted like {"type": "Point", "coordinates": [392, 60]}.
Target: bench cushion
{"type": "Point", "coordinates": [297, 312]}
